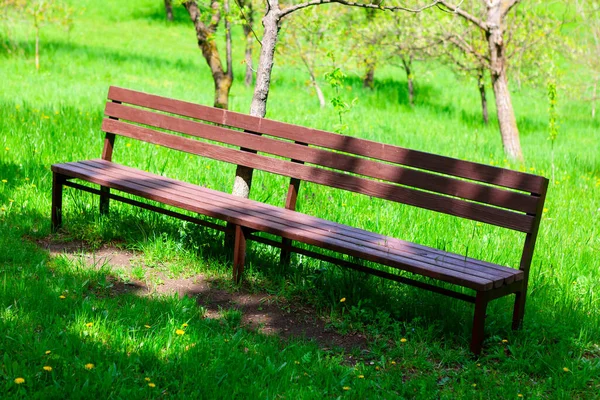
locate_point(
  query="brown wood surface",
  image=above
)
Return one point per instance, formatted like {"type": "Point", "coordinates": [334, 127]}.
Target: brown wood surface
{"type": "Point", "coordinates": [344, 162]}
{"type": "Point", "coordinates": [358, 236]}
{"type": "Point", "coordinates": [431, 201]}
{"type": "Point", "coordinates": [216, 207]}
{"type": "Point", "coordinates": [417, 159]}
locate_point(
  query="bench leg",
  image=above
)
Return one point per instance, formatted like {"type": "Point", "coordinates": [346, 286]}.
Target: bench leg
{"type": "Point", "coordinates": [286, 254]}
{"type": "Point", "coordinates": [58, 181]}
{"type": "Point", "coordinates": [239, 253]}
{"type": "Point", "coordinates": [104, 200]}
{"type": "Point", "coordinates": [519, 310]}
{"type": "Point", "coordinates": [481, 302]}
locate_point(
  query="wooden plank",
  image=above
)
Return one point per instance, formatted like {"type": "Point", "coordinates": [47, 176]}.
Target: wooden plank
{"type": "Point", "coordinates": [384, 152]}
{"type": "Point", "coordinates": [368, 270]}
{"type": "Point", "coordinates": [344, 162]}
{"type": "Point", "coordinates": [360, 237]}
{"type": "Point", "coordinates": [236, 216]}
{"type": "Point", "coordinates": [430, 201]}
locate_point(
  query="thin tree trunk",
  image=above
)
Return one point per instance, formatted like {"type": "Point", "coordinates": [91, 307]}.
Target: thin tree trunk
{"type": "Point", "coordinates": [498, 60]}
{"type": "Point", "coordinates": [407, 64]}
{"type": "Point", "coordinates": [247, 26]}
{"type": "Point", "coordinates": [313, 81]}
{"type": "Point", "coordinates": [484, 107]}
{"type": "Point", "coordinates": [169, 9]}
{"type": "Point", "coordinates": [37, 48]}
{"type": "Point", "coordinates": [369, 79]}
{"type": "Point", "coordinates": [205, 35]}
{"type": "Point", "coordinates": [506, 118]}
{"type": "Point", "coordinates": [258, 108]}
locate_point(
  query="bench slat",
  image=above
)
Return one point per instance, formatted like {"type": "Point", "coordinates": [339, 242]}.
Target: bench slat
{"type": "Point", "coordinates": [135, 181]}
{"type": "Point", "coordinates": [391, 244]}
{"type": "Point", "coordinates": [344, 162]}
{"type": "Point", "coordinates": [452, 206]}
{"type": "Point", "coordinates": [384, 152]}
{"type": "Point", "coordinates": [499, 275]}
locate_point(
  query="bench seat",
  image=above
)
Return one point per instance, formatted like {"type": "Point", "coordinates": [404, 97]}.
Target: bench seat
{"type": "Point", "coordinates": [256, 216]}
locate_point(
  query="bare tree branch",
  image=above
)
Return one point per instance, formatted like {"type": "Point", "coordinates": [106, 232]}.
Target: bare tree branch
{"type": "Point", "coordinates": [508, 5]}
{"type": "Point", "coordinates": [310, 3]}
{"type": "Point", "coordinates": [457, 10]}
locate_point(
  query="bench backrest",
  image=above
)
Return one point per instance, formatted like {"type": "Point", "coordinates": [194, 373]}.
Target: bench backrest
{"type": "Point", "coordinates": [479, 192]}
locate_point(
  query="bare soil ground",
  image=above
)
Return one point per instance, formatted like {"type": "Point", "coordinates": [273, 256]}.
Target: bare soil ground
{"type": "Point", "coordinates": [262, 312]}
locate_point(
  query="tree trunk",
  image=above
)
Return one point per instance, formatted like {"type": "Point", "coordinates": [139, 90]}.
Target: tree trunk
{"type": "Point", "coordinates": [247, 26]}
{"type": "Point", "coordinates": [258, 108]}
{"type": "Point", "coordinates": [369, 79]}
{"type": "Point", "coordinates": [407, 64]}
{"type": "Point", "coordinates": [498, 60]}
{"type": "Point", "coordinates": [484, 107]}
{"type": "Point", "coordinates": [313, 80]}
{"type": "Point", "coordinates": [37, 48]}
{"type": "Point", "coordinates": [205, 35]}
{"type": "Point", "coordinates": [169, 9]}
{"type": "Point", "coordinates": [506, 118]}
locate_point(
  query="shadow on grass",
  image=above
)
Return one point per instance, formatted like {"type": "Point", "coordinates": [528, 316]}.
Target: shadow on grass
{"type": "Point", "coordinates": [158, 14]}
{"type": "Point", "coordinates": [98, 54]}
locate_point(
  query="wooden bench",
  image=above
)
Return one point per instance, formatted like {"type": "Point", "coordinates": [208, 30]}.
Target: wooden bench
{"type": "Point", "coordinates": [478, 192]}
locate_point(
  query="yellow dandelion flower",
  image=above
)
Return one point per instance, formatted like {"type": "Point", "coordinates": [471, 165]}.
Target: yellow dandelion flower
{"type": "Point", "coordinates": [56, 112]}
{"type": "Point", "coordinates": [147, 326]}
{"type": "Point", "coordinates": [128, 145]}
{"type": "Point", "coordinates": [505, 341]}
{"type": "Point", "coordinates": [343, 299]}
{"type": "Point", "coordinates": [89, 366]}
{"type": "Point", "coordinates": [403, 340]}
{"type": "Point", "coordinates": [45, 117]}
{"type": "Point", "coordinates": [180, 332]}
{"type": "Point", "coordinates": [3, 209]}
{"type": "Point", "coordinates": [62, 297]}
{"type": "Point", "coordinates": [566, 369]}
{"type": "Point", "coordinates": [89, 324]}
{"type": "Point", "coordinates": [296, 362]}
{"type": "Point", "coordinates": [377, 368]}
{"type": "Point", "coordinates": [48, 352]}
{"type": "Point", "coordinates": [47, 368]}
{"type": "Point", "coordinates": [393, 362]}
{"type": "Point", "coordinates": [519, 395]}
{"type": "Point", "coordinates": [6, 148]}
{"type": "Point", "coordinates": [346, 388]}
{"type": "Point", "coordinates": [4, 181]}
{"type": "Point", "coordinates": [479, 365]}
{"type": "Point", "coordinates": [151, 385]}
{"type": "Point", "coordinates": [147, 379]}
{"type": "Point", "coordinates": [19, 381]}
{"type": "Point", "coordinates": [26, 179]}
{"type": "Point", "coordinates": [11, 201]}
{"type": "Point", "coordinates": [474, 385]}
{"type": "Point", "coordinates": [361, 377]}
{"type": "Point", "coordinates": [184, 325]}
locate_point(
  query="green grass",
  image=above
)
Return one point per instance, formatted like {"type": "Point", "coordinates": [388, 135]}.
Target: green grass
{"type": "Point", "coordinates": [54, 115]}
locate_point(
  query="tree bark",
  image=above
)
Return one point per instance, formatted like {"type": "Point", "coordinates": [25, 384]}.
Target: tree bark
{"type": "Point", "coordinates": [169, 9]}
{"type": "Point", "coordinates": [205, 35]}
{"type": "Point", "coordinates": [481, 87]}
{"type": "Point", "coordinates": [407, 64]}
{"type": "Point", "coordinates": [498, 60]}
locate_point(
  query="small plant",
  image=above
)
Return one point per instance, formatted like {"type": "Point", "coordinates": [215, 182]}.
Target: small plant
{"type": "Point", "coordinates": [336, 78]}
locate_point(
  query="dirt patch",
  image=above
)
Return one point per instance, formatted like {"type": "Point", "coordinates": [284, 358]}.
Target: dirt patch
{"type": "Point", "coordinates": [264, 313]}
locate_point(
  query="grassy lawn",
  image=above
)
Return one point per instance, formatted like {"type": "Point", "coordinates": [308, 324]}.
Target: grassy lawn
{"type": "Point", "coordinates": [67, 332]}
